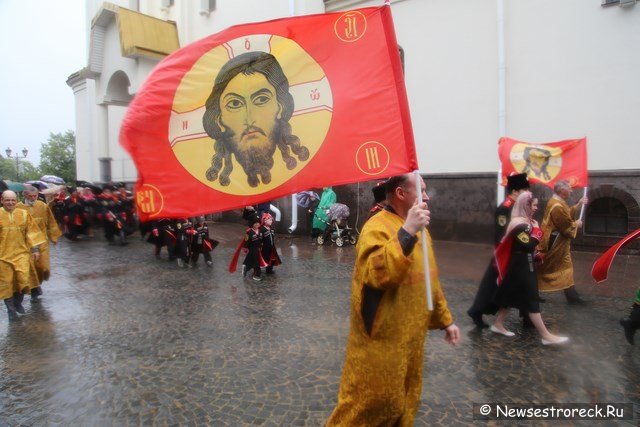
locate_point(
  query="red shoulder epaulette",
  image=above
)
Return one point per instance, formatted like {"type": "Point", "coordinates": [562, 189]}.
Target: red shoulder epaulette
{"type": "Point", "coordinates": [508, 202]}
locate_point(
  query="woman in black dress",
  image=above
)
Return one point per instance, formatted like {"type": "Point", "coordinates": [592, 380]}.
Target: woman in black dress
{"type": "Point", "coordinates": [515, 259]}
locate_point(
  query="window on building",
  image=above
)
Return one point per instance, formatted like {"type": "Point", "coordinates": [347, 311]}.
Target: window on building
{"type": "Point", "coordinates": [208, 5]}
{"type": "Point", "coordinates": [606, 215]}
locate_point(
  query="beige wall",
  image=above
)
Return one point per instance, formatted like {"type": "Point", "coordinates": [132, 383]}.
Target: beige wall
{"type": "Point", "coordinates": [572, 70]}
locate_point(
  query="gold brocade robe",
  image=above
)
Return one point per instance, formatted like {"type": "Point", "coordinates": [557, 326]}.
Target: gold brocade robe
{"type": "Point", "coordinates": [382, 376]}
{"type": "Point", "coordinates": [556, 272]}
{"type": "Point", "coordinates": [18, 234]}
{"type": "Point", "coordinates": [42, 215]}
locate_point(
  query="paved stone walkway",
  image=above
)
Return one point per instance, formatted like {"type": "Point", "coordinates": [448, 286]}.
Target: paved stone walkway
{"type": "Point", "coordinates": [121, 338]}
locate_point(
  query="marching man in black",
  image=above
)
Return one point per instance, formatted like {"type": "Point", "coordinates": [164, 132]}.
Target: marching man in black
{"type": "Point", "coordinates": [269, 251]}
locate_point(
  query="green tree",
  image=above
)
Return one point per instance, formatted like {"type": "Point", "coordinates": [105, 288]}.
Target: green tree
{"type": "Point", "coordinates": [27, 170]}
{"type": "Point", "coordinates": [7, 169]}
{"type": "Point", "coordinates": [58, 156]}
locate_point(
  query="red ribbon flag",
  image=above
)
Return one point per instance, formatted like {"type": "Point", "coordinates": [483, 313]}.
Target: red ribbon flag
{"type": "Point", "coordinates": [264, 110]}
{"type": "Point", "coordinates": [545, 163]}
{"type": "Point", "coordinates": [600, 269]}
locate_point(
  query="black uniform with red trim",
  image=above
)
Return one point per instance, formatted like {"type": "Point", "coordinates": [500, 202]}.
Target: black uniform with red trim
{"type": "Point", "coordinates": [158, 234]}
{"type": "Point", "coordinates": [111, 220]}
{"type": "Point", "coordinates": [127, 210]}
{"type": "Point", "coordinates": [170, 237]}
{"type": "Point", "coordinates": [184, 236]}
{"type": "Point", "coordinates": [269, 251]}
{"type": "Point", "coordinates": [483, 302]}
{"type": "Point", "coordinates": [202, 243]}
{"type": "Point", "coordinates": [74, 217]}
{"type": "Point", "coordinates": [518, 286]}
{"type": "Point", "coordinates": [502, 217]}
{"type": "Point", "coordinates": [253, 244]}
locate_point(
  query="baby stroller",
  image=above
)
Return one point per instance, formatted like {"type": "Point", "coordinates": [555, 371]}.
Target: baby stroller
{"type": "Point", "coordinates": [337, 230]}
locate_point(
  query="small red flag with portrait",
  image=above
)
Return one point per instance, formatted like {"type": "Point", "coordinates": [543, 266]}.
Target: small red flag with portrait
{"type": "Point", "coordinates": [545, 163]}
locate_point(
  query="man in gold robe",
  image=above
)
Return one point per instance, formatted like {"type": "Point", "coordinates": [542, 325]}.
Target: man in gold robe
{"type": "Point", "coordinates": [42, 215]}
{"type": "Point", "coordinates": [20, 239]}
{"type": "Point", "coordinates": [559, 227]}
{"type": "Point", "coordinates": [382, 376]}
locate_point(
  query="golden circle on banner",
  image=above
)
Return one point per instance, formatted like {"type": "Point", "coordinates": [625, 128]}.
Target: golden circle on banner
{"type": "Point", "coordinates": [537, 161]}
{"type": "Point", "coordinates": [309, 122]}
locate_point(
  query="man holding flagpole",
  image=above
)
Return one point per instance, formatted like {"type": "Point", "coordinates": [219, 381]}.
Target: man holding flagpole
{"type": "Point", "coordinates": [559, 227]}
{"type": "Point", "coordinates": [382, 376]}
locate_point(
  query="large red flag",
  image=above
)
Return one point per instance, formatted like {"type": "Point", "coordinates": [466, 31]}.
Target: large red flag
{"type": "Point", "coordinates": [263, 110]}
{"type": "Point", "coordinates": [545, 163]}
{"type": "Point", "coordinates": [600, 269]}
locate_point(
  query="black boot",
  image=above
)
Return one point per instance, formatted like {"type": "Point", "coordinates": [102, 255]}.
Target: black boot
{"type": "Point", "coordinates": [11, 309]}
{"type": "Point", "coordinates": [17, 302]}
{"type": "Point", "coordinates": [572, 296]}
{"type": "Point", "coordinates": [35, 294]}
{"type": "Point", "coordinates": [477, 319]}
{"type": "Point", "coordinates": [632, 323]}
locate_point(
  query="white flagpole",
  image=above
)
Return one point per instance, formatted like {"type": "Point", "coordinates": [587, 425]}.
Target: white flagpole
{"type": "Point", "coordinates": [425, 259]}
{"type": "Point", "coordinates": [584, 194]}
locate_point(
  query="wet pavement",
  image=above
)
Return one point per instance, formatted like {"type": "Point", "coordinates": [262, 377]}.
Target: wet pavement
{"type": "Point", "coordinates": [121, 338]}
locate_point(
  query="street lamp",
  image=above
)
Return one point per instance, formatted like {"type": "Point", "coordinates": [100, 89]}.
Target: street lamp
{"type": "Point", "coordinates": [17, 157]}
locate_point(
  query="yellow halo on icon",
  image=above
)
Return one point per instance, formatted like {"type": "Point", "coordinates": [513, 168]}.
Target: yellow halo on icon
{"type": "Point", "coordinates": [313, 109]}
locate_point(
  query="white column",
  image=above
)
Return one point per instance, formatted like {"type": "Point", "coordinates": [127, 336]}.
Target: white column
{"type": "Point", "coordinates": [102, 143]}
{"type": "Point", "coordinates": [502, 91]}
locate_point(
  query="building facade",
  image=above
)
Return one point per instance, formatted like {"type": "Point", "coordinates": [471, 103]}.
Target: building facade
{"type": "Point", "coordinates": [475, 71]}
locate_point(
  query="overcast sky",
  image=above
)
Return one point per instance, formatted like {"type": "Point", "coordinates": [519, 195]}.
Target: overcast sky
{"type": "Point", "coordinates": [42, 42]}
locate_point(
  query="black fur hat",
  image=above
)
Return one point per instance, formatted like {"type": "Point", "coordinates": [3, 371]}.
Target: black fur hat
{"type": "Point", "coordinates": [517, 182]}
{"type": "Point", "coordinates": [379, 191]}
{"type": "Point", "coordinates": [252, 219]}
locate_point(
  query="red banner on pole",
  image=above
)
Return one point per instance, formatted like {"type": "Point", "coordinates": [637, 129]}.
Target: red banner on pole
{"type": "Point", "coordinates": [545, 163]}
{"type": "Point", "coordinates": [263, 110]}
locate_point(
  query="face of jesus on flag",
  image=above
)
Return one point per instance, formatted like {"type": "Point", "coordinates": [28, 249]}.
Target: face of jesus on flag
{"type": "Point", "coordinates": [248, 116]}
{"type": "Point", "coordinates": [254, 130]}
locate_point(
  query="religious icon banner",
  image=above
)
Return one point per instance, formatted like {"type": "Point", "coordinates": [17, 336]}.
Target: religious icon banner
{"type": "Point", "coordinates": [545, 163]}
{"type": "Point", "coordinates": [264, 110]}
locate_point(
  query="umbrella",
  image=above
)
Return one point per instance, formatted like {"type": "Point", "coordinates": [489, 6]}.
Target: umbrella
{"type": "Point", "coordinates": [40, 185]}
{"type": "Point", "coordinates": [14, 186]}
{"type": "Point", "coordinates": [338, 211]}
{"type": "Point", "coordinates": [95, 189]}
{"type": "Point", "coordinates": [303, 198]}
{"type": "Point", "coordinates": [52, 179]}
